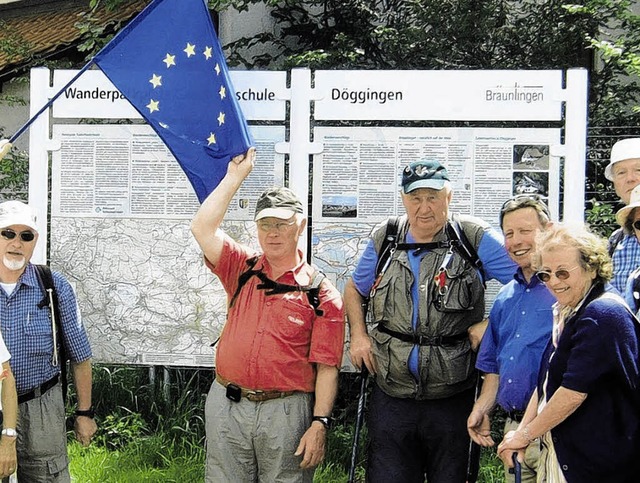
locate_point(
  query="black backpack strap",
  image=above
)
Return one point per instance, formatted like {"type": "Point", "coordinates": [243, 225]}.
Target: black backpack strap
{"type": "Point", "coordinates": [313, 291]}
{"type": "Point", "coordinates": [389, 243]}
{"type": "Point", "coordinates": [50, 300]}
{"type": "Point", "coordinates": [387, 249]}
{"type": "Point", "coordinates": [463, 246]}
{"type": "Point", "coordinates": [244, 278]}
{"type": "Point", "coordinates": [615, 238]}
{"type": "Point", "coordinates": [272, 287]}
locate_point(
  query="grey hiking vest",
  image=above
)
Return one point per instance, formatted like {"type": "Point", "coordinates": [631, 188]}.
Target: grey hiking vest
{"type": "Point", "coordinates": [444, 315]}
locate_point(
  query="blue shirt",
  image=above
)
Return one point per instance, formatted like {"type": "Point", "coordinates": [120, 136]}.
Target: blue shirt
{"type": "Point", "coordinates": [626, 258]}
{"type": "Point", "coordinates": [495, 260]}
{"type": "Point", "coordinates": [27, 331]}
{"type": "Point", "coordinates": [519, 329]}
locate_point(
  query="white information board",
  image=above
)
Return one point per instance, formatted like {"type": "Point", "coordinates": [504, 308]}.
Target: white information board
{"type": "Point", "coordinates": [260, 94]}
{"type": "Point", "coordinates": [488, 95]}
{"type": "Point", "coordinates": [121, 207]}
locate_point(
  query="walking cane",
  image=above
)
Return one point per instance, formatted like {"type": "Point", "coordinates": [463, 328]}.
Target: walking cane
{"type": "Point", "coordinates": [517, 468]}
{"type": "Point", "coordinates": [364, 375]}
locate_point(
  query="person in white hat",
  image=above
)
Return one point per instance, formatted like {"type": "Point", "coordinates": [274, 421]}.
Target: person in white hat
{"type": "Point", "coordinates": [629, 220]}
{"type": "Point", "coordinates": [624, 171]}
{"type": "Point", "coordinates": [624, 167]}
{"type": "Point", "coordinates": [40, 436]}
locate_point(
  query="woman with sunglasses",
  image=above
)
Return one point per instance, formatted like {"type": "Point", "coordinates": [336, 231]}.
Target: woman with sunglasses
{"type": "Point", "coordinates": [586, 410]}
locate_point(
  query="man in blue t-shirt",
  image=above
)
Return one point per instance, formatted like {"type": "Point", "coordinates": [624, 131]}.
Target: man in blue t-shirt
{"type": "Point", "coordinates": [424, 299]}
{"type": "Point", "coordinates": [519, 328]}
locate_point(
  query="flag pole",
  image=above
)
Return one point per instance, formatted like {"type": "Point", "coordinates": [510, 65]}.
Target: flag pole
{"type": "Point", "coordinates": [20, 131]}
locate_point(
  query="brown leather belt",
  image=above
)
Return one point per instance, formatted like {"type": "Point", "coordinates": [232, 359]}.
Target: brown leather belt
{"type": "Point", "coordinates": [256, 395]}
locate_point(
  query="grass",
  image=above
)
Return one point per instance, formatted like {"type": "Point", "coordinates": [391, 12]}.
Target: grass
{"type": "Point", "coordinates": [148, 434]}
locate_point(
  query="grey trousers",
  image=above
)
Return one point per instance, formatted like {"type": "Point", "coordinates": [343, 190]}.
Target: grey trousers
{"type": "Point", "coordinates": [255, 441]}
{"type": "Point", "coordinates": [42, 439]}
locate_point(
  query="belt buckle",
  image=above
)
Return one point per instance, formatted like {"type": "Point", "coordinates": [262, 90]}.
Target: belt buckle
{"type": "Point", "coordinates": [254, 396]}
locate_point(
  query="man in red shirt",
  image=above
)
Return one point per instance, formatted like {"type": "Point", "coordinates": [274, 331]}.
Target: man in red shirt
{"type": "Point", "coordinates": [277, 362]}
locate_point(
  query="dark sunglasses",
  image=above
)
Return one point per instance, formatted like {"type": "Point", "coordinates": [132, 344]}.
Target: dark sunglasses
{"type": "Point", "coordinates": [25, 236]}
{"type": "Point", "coordinates": [561, 274]}
{"type": "Point", "coordinates": [636, 224]}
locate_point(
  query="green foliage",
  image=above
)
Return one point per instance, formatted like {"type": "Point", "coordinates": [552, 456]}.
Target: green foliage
{"type": "Point", "coordinates": [12, 45]}
{"type": "Point", "coordinates": [14, 174]}
{"type": "Point", "coordinates": [120, 428]}
{"type": "Point", "coordinates": [95, 34]}
{"type": "Point", "coordinates": [600, 216]}
{"type": "Point", "coordinates": [456, 34]}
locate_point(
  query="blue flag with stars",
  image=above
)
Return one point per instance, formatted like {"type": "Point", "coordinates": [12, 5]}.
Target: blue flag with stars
{"type": "Point", "coordinates": [169, 65]}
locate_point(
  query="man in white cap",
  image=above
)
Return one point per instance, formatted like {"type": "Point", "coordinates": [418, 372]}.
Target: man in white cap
{"type": "Point", "coordinates": [26, 327]}
{"type": "Point", "coordinates": [268, 411]}
{"type": "Point", "coordinates": [624, 171]}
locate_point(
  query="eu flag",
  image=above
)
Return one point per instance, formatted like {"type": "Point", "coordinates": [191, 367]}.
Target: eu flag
{"type": "Point", "coordinates": [169, 65]}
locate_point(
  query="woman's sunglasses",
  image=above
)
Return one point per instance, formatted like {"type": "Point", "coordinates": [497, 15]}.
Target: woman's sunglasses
{"type": "Point", "coordinates": [25, 236]}
{"type": "Point", "coordinates": [561, 274]}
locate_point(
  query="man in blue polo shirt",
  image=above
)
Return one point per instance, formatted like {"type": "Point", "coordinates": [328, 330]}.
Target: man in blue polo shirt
{"type": "Point", "coordinates": [519, 328]}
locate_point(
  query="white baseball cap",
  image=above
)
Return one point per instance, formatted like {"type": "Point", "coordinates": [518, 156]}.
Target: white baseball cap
{"type": "Point", "coordinates": [17, 213]}
{"type": "Point", "coordinates": [622, 150]}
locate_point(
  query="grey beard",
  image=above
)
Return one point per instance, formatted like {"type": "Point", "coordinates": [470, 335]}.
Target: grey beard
{"type": "Point", "coordinates": [14, 264]}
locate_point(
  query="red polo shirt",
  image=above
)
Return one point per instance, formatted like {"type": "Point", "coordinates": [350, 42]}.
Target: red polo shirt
{"type": "Point", "coordinates": [271, 342]}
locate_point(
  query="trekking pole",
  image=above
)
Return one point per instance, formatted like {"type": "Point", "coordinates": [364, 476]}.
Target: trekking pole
{"type": "Point", "coordinates": [364, 375]}
{"type": "Point", "coordinates": [473, 461]}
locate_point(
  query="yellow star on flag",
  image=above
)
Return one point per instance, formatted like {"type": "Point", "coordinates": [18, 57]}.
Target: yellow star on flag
{"type": "Point", "coordinates": [153, 106]}
{"type": "Point", "coordinates": [190, 50]}
{"type": "Point", "coordinates": [156, 80]}
{"type": "Point", "coordinates": [222, 92]}
{"type": "Point", "coordinates": [217, 69]}
{"type": "Point", "coordinates": [170, 60]}
{"type": "Point", "coordinates": [211, 139]}
{"type": "Point", "coordinates": [207, 52]}
{"type": "Point", "coordinates": [221, 119]}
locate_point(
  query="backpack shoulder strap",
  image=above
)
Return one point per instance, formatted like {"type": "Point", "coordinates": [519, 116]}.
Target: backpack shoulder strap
{"type": "Point", "coordinates": [463, 246]}
{"type": "Point", "coordinates": [244, 278]}
{"type": "Point", "coordinates": [313, 291]}
{"type": "Point", "coordinates": [389, 243]}
{"type": "Point", "coordinates": [271, 287]}
{"type": "Point", "coordinates": [615, 238]}
{"type": "Point", "coordinates": [50, 299]}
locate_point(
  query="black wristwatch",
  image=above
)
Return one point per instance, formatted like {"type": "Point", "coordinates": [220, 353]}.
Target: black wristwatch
{"type": "Point", "coordinates": [325, 420]}
{"type": "Point", "coordinates": [87, 413]}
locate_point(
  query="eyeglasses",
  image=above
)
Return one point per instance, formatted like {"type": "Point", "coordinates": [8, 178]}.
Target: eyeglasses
{"type": "Point", "coordinates": [561, 274]}
{"type": "Point", "coordinates": [636, 224]}
{"type": "Point", "coordinates": [274, 227]}
{"type": "Point", "coordinates": [25, 236]}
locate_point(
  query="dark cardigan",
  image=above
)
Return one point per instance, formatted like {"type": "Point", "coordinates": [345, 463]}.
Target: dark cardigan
{"type": "Point", "coordinates": [598, 354]}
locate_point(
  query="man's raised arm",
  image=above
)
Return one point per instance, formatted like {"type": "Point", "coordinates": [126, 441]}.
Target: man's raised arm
{"type": "Point", "coordinates": [206, 223]}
